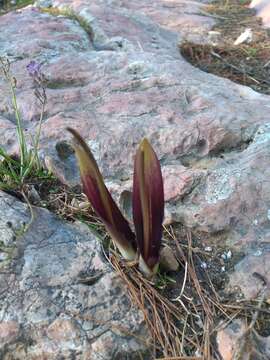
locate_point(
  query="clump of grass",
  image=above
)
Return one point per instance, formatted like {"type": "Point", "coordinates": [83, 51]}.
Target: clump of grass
{"type": "Point", "coordinates": [14, 170]}
{"type": "Point", "coordinates": [18, 172]}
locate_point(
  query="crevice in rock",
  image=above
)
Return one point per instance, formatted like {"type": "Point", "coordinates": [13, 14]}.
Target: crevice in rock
{"type": "Point", "coordinates": [220, 151]}
{"type": "Point", "coordinates": [84, 23]}
{"type": "Point", "coordinates": [71, 14]}
{"type": "Point", "coordinates": [90, 278]}
{"type": "Point", "coordinates": [57, 84]}
{"type": "Point", "coordinates": [9, 116]}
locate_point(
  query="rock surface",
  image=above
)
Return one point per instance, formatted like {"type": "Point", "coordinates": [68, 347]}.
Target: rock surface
{"type": "Point", "coordinates": [263, 10]}
{"type": "Point", "coordinates": [115, 74]}
{"type": "Point", "coordinates": [236, 341]}
{"type": "Point", "coordinates": [59, 299]}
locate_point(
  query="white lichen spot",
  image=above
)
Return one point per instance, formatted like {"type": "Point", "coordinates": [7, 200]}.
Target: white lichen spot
{"type": "Point", "coordinates": [136, 67]}
{"type": "Point", "coordinates": [227, 255]}
{"type": "Point", "coordinates": [268, 214]}
{"type": "Point", "coordinates": [95, 148]}
{"type": "Point", "coordinates": [204, 265]}
{"type": "Point", "coordinates": [258, 252]}
{"type": "Point", "coordinates": [262, 135]}
{"type": "Point", "coordinates": [3, 256]}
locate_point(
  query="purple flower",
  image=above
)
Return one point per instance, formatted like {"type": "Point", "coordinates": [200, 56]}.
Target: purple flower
{"type": "Point", "coordinates": [38, 79]}
{"type": "Point", "coordinates": [33, 68]}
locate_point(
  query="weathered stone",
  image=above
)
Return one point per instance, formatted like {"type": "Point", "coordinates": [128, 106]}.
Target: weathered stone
{"type": "Point", "coordinates": [237, 341]}
{"type": "Point", "coordinates": [263, 10]}
{"type": "Point", "coordinates": [251, 275]}
{"type": "Point", "coordinates": [228, 337]}
{"type": "Point", "coordinates": [9, 330]}
{"type": "Point", "coordinates": [168, 260]}
{"type": "Point", "coordinates": [48, 308]}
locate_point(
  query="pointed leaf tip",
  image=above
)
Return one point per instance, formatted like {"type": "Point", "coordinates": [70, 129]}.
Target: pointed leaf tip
{"type": "Point", "coordinates": [101, 200]}
{"type": "Point", "coordinates": [144, 142]}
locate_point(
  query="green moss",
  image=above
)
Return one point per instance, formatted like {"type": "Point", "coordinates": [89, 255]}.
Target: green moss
{"type": "Point", "coordinates": [9, 251]}
{"type": "Point", "coordinates": [69, 13]}
{"type": "Point", "coordinates": [19, 4]}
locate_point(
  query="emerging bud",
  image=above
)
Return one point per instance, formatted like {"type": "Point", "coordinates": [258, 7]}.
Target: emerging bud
{"type": "Point", "coordinates": [148, 207]}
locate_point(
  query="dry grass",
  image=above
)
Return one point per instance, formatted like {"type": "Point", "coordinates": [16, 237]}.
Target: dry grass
{"type": "Point", "coordinates": [183, 328]}
{"type": "Point", "coordinates": [247, 64]}
{"type": "Point", "coordinates": [69, 204]}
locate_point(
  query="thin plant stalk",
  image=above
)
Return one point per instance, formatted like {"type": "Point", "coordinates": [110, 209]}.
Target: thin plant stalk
{"type": "Point", "coordinates": [28, 157]}
{"type": "Point", "coordinates": [22, 143]}
{"type": "Point", "coordinates": [34, 156]}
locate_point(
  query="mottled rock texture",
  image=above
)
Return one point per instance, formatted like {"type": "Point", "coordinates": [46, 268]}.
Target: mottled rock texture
{"type": "Point", "coordinates": [263, 10]}
{"type": "Point", "coordinates": [237, 341]}
{"type": "Point", "coordinates": [59, 299]}
{"type": "Point", "coordinates": [116, 75]}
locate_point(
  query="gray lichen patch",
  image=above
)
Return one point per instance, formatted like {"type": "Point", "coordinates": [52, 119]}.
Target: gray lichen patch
{"type": "Point", "coordinates": [6, 255]}
{"type": "Point", "coordinates": [219, 185]}
{"type": "Point", "coordinates": [13, 220]}
{"type": "Point", "coordinates": [262, 135]}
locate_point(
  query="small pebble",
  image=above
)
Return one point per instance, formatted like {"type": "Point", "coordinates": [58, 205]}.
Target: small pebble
{"type": "Point", "coordinates": [227, 255]}
{"type": "Point", "coordinates": [84, 205]}
{"type": "Point", "coordinates": [168, 259]}
{"type": "Point", "coordinates": [258, 252]}
{"type": "Point", "coordinates": [204, 265]}
{"type": "Point", "coordinates": [3, 256]}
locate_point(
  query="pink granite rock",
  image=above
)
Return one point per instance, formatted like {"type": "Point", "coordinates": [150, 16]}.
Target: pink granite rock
{"type": "Point", "coordinates": [228, 337]}
{"type": "Point", "coordinates": [9, 331]}
{"type": "Point", "coordinates": [59, 297]}
{"type": "Point", "coordinates": [125, 80]}
{"type": "Point", "coordinates": [237, 341]}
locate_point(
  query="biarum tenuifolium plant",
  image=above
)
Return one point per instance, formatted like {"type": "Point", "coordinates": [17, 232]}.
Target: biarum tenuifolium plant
{"type": "Point", "coordinates": [148, 204]}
